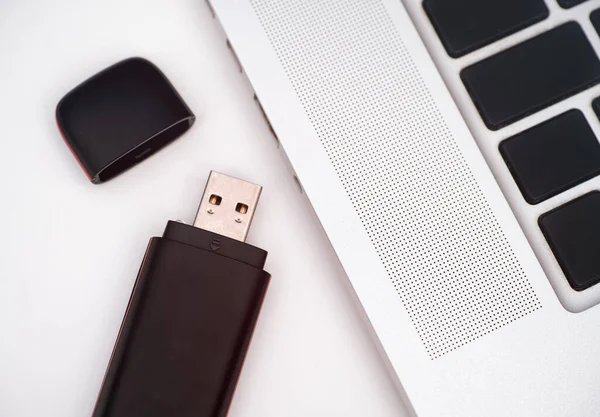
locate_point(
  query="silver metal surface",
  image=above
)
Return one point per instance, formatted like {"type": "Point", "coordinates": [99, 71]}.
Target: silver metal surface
{"type": "Point", "coordinates": [218, 211]}
{"type": "Point", "coordinates": [399, 185]}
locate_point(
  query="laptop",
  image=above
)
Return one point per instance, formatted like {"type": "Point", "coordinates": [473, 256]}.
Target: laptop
{"type": "Point", "coordinates": [450, 151]}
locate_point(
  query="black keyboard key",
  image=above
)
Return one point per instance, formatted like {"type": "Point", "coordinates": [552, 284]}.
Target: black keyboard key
{"type": "Point", "coordinates": [596, 107]}
{"type": "Point", "coordinates": [595, 18]}
{"type": "Point", "coordinates": [567, 4]}
{"type": "Point", "coordinates": [466, 25]}
{"type": "Point", "coordinates": [532, 75]}
{"type": "Point", "coordinates": [553, 156]}
{"type": "Point", "coordinates": [573, 233]}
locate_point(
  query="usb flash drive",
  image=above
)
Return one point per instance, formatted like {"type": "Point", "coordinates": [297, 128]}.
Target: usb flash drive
{"type": "Point", "coordinates": [191, 314]}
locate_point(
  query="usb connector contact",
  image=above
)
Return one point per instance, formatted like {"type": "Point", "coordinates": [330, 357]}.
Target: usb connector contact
{"type": "Point", "coordinates": [192, 312]}
{"type": "Point", "coordinates": [228, 206]}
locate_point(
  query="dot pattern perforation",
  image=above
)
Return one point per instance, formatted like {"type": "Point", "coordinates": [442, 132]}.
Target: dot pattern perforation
{"type": "Point", "coordinates": [436, 235]}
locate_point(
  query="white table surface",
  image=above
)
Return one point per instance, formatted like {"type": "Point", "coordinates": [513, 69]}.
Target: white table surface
{"type": "Point", "coordinates": [70, 250]}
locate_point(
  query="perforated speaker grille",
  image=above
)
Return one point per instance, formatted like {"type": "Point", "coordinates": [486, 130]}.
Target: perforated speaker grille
{"type": "Point", "coordinates": [433, 229]}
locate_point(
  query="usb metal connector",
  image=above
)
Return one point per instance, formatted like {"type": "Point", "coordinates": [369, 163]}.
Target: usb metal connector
{"type": "Point", "coordinates": [228, 205]}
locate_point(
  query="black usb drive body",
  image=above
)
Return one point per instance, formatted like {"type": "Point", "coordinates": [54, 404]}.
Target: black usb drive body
{"type": "Point", "coordinates": [191, 314]}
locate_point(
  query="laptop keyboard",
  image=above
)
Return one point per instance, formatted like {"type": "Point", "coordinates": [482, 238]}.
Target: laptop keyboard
{"type": "Point", "coordinates": [552, 156]}
{"type": "Point", "coordinates": [595, 18]}
{"type": "Point", "coordinates": [466, 25]}
{"type": "Point", "coordinates": [567, 4]}
{"type": "Point", "coordinates": [572, 232]}
{"type": "Point", "coordinates": [557, 153]}
{"type": "Point", "coordinates": [532, 75]}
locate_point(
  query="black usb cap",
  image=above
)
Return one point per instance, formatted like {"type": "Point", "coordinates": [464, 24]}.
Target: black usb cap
{"type": "Point", "coordinates": [121, 116]}
{"type": "Point", "coordinates": [191, 314]}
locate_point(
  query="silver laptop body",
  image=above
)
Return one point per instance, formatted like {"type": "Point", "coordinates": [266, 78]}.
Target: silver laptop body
{"type": "Point", "coordinates": [465, 299]}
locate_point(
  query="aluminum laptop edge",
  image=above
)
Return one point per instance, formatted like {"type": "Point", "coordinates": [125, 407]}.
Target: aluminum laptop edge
{"type": "Point", "coordinates": [465, 317]}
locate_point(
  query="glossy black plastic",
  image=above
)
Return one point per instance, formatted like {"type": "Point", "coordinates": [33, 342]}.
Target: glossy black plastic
{"type": "Point", "coordinates": [187, 327]}
{"type": "Point", "coordinates": [120, 116]}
